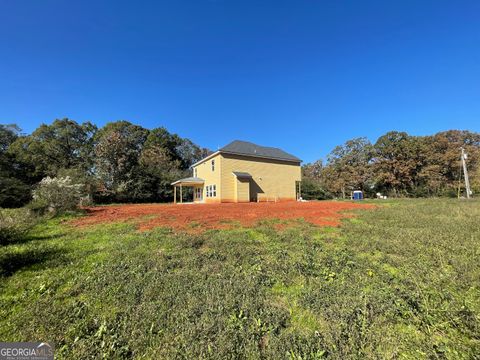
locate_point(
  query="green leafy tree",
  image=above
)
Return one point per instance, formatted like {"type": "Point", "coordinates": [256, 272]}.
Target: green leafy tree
{"type": "Point", "coordinates": [165, 158]}
{"type": "Point", "coordinates": [313, 185]}
{"type": "Point", "coordinates": [117, 153]}
{"type": "Point", "coordinates": [402, 165]}
{"type": "Point", "coordinates": [313, 170]}
{"type": "Point", "coordinates": [348, 167]}
{"type": "Point", "coordinates": [398, 160]}
{"type": "Point", "coordinates": [15, 176]}
{"type": "Point", "coordinates": [161, 138]}
{"type": "Point", "coordinates": [64, 144]}
{"type": "Point", "coordinates": [189, 153]}
{"type": "Point", "coordinates": [157, 166]}
{"type": "Point", "coordinates": [175, 147]}
{"type": "Point", "coordinates": [8, 134]}
{"type": "Point", "coordinates": [444, 151]}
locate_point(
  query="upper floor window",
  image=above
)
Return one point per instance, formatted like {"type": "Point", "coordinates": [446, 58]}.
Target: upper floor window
{"type": "Point", "coordinates": [213, 165]}
{"type": "Point", "coordinates": [195, 172]}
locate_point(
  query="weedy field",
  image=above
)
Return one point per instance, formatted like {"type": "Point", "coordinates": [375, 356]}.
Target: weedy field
{"type": "Point", "coordinates": [398, 281]}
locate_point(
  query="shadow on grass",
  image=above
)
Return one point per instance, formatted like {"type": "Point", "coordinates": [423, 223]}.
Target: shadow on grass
{"type": "Point", "coordinates": [10, 263]}
{"type": "Point", "coordinates": [43, 237]}
{"type": "Point", "coordinates": [28, 238]}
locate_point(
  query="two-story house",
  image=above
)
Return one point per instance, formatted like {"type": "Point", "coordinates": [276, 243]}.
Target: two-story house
{"type": "Point", "coordinates": [242, 172]}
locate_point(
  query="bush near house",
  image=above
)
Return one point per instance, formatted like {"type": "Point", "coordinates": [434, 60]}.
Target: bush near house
{"type": "Point", "coordinates": [57, 195]}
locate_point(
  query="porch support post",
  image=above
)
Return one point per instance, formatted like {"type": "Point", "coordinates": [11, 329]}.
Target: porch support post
{"type": "Point", "coordinates": [174, 194]}
{"type": "Point", "coordinates": [181, 194]}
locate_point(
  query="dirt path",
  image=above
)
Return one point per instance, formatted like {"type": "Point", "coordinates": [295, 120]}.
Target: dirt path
{"type": "Point", "coordinates": [200, 217]}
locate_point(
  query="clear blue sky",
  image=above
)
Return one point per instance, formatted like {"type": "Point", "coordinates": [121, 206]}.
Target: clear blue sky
{"type": "Point", "coordinates": [301, 75]}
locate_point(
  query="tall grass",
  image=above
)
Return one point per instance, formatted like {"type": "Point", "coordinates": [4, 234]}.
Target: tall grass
{"type": "Point", "coordinates": [15, 224]}
{"type": "Point", "coordinates": [401, 281]}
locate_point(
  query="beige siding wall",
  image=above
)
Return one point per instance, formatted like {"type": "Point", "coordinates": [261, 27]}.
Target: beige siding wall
{"type": "Point", "coordinates": [204, 171]}
{"type": "Point", "coordinates": [270, 177]}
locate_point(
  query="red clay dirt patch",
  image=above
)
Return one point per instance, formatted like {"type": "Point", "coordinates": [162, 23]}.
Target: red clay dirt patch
{"type": "Point", "coordinates": [199, 217]}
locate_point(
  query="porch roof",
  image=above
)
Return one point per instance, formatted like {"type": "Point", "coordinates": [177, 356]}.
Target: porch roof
{"type": "Point", "coordinates": [241, 174]}
{"type": "Point", "coordinates": [190, 181]}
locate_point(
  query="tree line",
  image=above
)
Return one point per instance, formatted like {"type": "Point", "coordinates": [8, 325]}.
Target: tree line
{"type": "Point", "coordinates": [124, 162]}
{"type": "Point", "coordinates": [120, 162]}
{"type": "Point", "coordinates": [397, 164]}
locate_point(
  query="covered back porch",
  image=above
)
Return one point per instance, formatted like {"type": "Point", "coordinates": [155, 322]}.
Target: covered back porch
{"type": "Point", "coordinates": [192, 182]}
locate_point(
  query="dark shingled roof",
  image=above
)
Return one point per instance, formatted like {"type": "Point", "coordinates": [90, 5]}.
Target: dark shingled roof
{"type": "Point", "coordinates": [250, 149]}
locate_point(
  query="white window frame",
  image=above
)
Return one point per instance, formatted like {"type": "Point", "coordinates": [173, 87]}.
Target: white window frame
{"type": "Point", "coordinates": [213, 164]}
{"type": "Point", "coordinates": [198, 193]}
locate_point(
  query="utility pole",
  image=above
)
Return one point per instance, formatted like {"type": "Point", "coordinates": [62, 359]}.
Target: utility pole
{"type": "Point", "coordinates": [465, 173]}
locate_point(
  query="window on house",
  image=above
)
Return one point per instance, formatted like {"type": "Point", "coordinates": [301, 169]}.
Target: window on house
{"type": "Point", "coordinates": [213, 165]}
{"type": "Point", "coordinates": [214, 190]}
{"type": "Point", "coordinates": [195, 172]}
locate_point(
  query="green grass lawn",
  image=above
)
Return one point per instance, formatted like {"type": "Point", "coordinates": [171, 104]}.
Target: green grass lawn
{"type": "Point", "coordinates": [401, 281]}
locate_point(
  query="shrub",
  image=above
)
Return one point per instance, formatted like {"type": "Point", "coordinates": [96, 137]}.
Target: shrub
{"type": "Point", "coordinates": [14, 224]}
{"type": "Point", "coordinates": [57, 194]}
{"type": "Point", "coordinates": [312, 190]}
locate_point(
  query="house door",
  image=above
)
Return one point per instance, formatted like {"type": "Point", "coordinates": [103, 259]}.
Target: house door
{"type": "Point", "coordinates": [243, 190]}
{"type": "Point", "coordinates": [198, 194]}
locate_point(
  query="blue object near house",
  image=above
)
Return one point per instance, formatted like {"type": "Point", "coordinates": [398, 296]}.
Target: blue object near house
{"type": "Point", "coordinates": [358, 195]}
